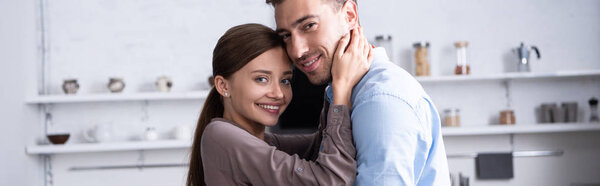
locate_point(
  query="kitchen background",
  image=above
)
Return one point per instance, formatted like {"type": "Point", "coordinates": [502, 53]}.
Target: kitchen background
{"type": "Point", "coordinates": [44, 42]}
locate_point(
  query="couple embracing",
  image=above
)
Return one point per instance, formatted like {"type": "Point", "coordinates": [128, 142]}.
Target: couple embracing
{"type": "Point", "coordinates": [377, 126]}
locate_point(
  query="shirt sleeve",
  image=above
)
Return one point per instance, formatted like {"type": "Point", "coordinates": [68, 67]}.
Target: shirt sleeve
{"type": "Point", "coordinates": [302, 145]}
{"type": "Point", "coordinates": [262, 164]}
{"type": "Point", "coordinates": [393, 139]}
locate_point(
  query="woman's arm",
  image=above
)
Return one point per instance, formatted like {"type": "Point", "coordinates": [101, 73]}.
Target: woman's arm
{"type": "Point", "coordinates": [229, 150]}
{"type": "Point", "coordinates": [300, 144]}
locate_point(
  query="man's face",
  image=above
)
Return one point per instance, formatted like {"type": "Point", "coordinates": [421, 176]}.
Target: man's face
{"type": "Point", "coordinates": [311, 30]}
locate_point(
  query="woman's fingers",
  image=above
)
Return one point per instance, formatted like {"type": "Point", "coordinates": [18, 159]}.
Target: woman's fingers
{"type": "Point", "coordinates": [342, 46]}
{"type": "Point", "coordinates": [370, 58]}
{"type": "Point", "coordinates": [366, 52]}
{"type": "Point", "coordinates": [366, 47]}
{"type": "Point", "coordinates": [354, 42]}
{"type": "Point", "coordinates": [361, 40]}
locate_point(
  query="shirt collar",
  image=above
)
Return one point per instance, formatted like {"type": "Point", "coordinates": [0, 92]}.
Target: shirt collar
{"type": "Point", "coordinates": [379, 54]}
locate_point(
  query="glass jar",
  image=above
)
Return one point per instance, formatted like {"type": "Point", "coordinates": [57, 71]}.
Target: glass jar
{"type": "Point", "coordinates": [385, 41]}
{"type": "Point", "coordinates": [594, 110]}
{"type": "Point", "coordinates": [507, 117]}
{"type": "Point", "coordinates": [421, 58]}
{"type": "Point", "coordinates": [451, 117]}
{"type": "Point", "coordinates": [70, 86]}
{"type": "Point", "coordinates": [462, 67]}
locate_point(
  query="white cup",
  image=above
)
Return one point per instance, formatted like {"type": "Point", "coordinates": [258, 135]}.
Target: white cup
{"type": "Point", "coordinates": [151, 134]}
{"type": "Point", "coordinates": [99, 133]}
{"type": "Point", "coordinates": [164, 84]}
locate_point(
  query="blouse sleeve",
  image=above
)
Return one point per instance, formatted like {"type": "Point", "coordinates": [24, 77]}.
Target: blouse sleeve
{"type": "Point", "coordinates": [261, 164]}
{"type": "Point", "coordinates": [300, 144]}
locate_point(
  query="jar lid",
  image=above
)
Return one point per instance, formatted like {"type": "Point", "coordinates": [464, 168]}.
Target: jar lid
{"type": "Point", "coordinates": [421, 44]}
{"type": "Point", "coordinates": [449, 110]}
{"type": "Point", "coordinates": [593, 101]}
{"type": "Point", "coordinates": [461, 44]}
{"type": "Point", "coordinates": [383, 37]}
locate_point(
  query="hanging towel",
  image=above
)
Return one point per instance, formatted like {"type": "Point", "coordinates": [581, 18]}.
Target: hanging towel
{"type": "Point", "coordinates": [494, 165]}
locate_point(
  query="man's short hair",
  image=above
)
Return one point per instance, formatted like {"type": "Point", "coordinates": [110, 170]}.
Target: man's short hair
{"type": "Point", "coordinates": [338, 3]}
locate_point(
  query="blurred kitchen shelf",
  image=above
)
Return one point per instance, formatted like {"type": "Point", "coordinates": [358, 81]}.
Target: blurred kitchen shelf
{"type": "Point", "coordinates": [115, 97]}
{"type": "Point", "coordinates": [107, 147]}
{"type": "Point", "coordinates": [520, 129]}
{"type": "Point", "coordinates": [508, 76]}
{"type": "Point", "coordinates": [174, 144]}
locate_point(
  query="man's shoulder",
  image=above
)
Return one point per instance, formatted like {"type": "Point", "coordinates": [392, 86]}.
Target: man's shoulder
{"type": "Point", "coordinates": [387, 79]}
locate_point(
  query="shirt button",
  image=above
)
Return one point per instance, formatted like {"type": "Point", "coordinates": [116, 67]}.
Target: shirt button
{"type": "Point", "coordinates": [336, 110]}
{"type": "Point", "coordinates": [334, 120]}
{"type": "Point", "coordinates": [299, 169]}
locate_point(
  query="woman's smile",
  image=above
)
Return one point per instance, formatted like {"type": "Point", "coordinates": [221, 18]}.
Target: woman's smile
{"type": "Point", "coordinates": [271, 108]}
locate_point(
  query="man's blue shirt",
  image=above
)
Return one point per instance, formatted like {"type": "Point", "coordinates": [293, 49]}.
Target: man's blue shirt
{"type": "Point", "coordinates": [396, 129]}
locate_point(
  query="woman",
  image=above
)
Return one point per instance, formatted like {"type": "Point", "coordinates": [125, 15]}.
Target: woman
{"type": "Point", "coordinates": [252, 88]}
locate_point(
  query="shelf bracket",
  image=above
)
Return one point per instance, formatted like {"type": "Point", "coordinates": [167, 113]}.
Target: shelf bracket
{"type": "Point", "coordinates": [506, 84]}
{"type": "Point", "coordinates": [512, 142]}
{"type": "Point", "coordinates": [145, 115]}
{"type": "Point", "coordinates": [141, 160]}
{"type": "Point", "coordinates": [47, 116]}
{"type": "Point", "coordinates": [48, 175]}
{"type": "Point", "coordinates": [43, 88]}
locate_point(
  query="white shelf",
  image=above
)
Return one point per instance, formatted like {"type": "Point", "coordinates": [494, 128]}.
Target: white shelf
{"type": "Point", "coordinates": [508, 76]}
{"type": "Point", "coordinates": [520, 129]}
{"type": "Point", "coordinates": [115, 97]}
{"type": "Point", "coordinates": [195, 95]}
{"type": "Point", "coordinates": [107, 147]}
{"type": "Point", "coordinates": [446, 131]}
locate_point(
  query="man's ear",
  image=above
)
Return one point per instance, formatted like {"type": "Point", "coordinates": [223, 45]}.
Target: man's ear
{"type": "Point", "coordinates": [222, 85]}
{"type": "Point", "coordinates": [349, 9]}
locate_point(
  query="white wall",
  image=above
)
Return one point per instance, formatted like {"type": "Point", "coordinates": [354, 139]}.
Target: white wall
{"type": "Point", "coordinates": [140, 40]}
{"type": "Point", "coordinates": [18, 55]}
{"type": "Point", "coordinates": [565, 31]}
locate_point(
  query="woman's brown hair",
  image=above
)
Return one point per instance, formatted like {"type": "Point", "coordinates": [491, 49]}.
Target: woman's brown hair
{"type": "Point", "coordinates": [236, 48]}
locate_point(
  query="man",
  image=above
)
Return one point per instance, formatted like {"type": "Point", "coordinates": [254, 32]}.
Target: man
{"type": "Point", "coordinates": [396, 127]}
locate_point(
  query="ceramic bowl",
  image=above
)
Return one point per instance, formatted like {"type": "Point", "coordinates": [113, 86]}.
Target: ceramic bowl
{"type": "Point", "coordinates": [58, 138]}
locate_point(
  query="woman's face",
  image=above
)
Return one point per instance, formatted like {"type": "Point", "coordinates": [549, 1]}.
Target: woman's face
{"type": "Point", "coordinates": [261, 90]}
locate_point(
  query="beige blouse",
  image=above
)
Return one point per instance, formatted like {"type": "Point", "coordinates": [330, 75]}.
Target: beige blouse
{"type": "Point", "coordinates": [232, 156]}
